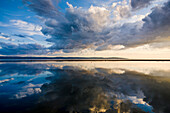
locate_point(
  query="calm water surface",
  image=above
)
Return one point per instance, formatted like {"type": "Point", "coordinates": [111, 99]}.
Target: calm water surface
{"type": "Point", "coordinates": [85, 87]}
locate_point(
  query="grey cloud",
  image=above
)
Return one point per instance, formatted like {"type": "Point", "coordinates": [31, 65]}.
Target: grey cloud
{"type": "Point", "coordinates": [159, 19]}
{"type": "Point", "coordinates": [45, 8]}
{"type": "Point", "coordinates": [155, 26]}
{"type": "Point", "coordinates": [78, 32]}
{"type": "Point", "coordinates": [78, 29]}
{"type": "Point", "coordinates": [12, 49]}
{"type": "Point", "coordinates": [138, 4]}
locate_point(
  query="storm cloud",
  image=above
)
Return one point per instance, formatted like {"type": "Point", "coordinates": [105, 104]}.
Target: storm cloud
{"type": "Point", "coordinates": [95, 28]}
{"type": "Point", "coordinates": [159, 19]}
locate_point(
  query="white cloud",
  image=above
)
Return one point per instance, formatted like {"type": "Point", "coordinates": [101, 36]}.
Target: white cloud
{"type": "Point", "coordinates": [100, 16]}
{"type": "Point", "coordinates": [122, 10]}
{"type": "Point", "coordinates": [25, 27]}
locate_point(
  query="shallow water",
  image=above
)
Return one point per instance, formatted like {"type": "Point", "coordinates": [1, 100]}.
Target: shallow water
{"type": "Point", "coordinates": [85, 87]}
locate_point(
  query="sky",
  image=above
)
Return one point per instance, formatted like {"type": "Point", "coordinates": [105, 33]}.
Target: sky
{"type": "Point", "coordinates": [105, 28]}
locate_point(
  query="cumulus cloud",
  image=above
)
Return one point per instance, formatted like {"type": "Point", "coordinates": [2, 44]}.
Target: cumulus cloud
{"type": "Point", "coordinates": [96, 28]}
{"type": "Point", "coordinates": [20, 49]}
{"type": "Point", "coordinates": [81, 30]}
{"type": "Point", "coordinates": [100, 15]}
{"type": "Point", "coordinates": [122, 10]}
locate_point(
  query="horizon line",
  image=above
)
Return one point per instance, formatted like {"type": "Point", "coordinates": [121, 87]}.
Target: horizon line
{"type": "Point", "coordinates": [70, 60]}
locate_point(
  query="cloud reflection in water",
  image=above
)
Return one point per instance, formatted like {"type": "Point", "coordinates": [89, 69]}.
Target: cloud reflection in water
{"type": "Point", "coordinates": [74, 88]}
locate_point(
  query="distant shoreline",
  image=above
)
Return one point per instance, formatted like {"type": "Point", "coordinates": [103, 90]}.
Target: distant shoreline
{"type": "Point", "coordinates": [71, 60]}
